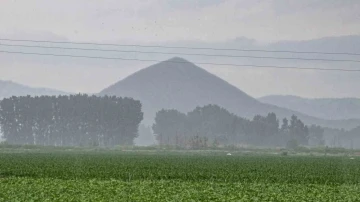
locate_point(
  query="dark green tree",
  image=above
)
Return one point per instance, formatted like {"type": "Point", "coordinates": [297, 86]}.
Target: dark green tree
{"type": "Point", "coordinates": [170, 127]}
{"type": "Point", "coordinates": [316, 135]}
{"type": "Point", "coordinates": [298, 130]}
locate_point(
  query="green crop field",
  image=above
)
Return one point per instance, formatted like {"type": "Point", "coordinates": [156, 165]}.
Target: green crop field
{"type": "Point", "coordinates": [160, 176]}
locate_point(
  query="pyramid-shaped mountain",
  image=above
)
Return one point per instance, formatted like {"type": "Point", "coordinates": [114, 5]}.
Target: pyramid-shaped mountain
{"type": "Point", "coordinates": [180, 84]}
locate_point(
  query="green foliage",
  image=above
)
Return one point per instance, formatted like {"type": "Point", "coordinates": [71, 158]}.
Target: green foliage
{"type": "Point", "coordinates": [162, 166]}
{"type": "Point", "coordinates": [336, 150]}
{"type": "Point", "coordinates": [170, 127]}
{"type": "Point", "coordinates": [217, 124]}
{"type": "Point", "coordinates": [75, 120]}
{"type": "Point", "coordinates": [44, 189]}
{"type": "Point", "coordinates": [197, 142]}
{"type": "Point", "coordinates": [298, 131]}
{"type": "Point", "coordinates": [135, 176]}
{"type": "Point", "coordinates": [284, 153]}
{"type": "Point", "coordinates": [215, 144]}
{"type": "Point", "coordinates": [292, 144]}
{"type": "Point", "coordinates": [316, 135]}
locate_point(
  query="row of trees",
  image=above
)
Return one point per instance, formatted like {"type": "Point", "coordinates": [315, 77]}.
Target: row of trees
{"type": "Point", "coordinates": [343, 138]}
{"type": "Point", "coordinates": [107, 121]}
{"type": "Point", "coordinates": [212, 124]}
{"type": "Point", "coordinates": [70, 120]}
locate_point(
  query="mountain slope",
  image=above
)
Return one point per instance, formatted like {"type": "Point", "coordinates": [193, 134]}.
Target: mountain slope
{"type": "Point", "coordinates": [179, 84]}
{"type": "Point", "coordinates": [344, 44]}
{"type": "Point", "coordinates": [9, 88]}
{"type": "Point", "coordinates": [325, 108]}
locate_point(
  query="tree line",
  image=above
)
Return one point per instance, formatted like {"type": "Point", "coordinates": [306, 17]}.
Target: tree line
{"type": "Point", "coordinates": [82, 120]}
{"type": "Point", "coordinates": [213, 125]}
{"type": "Point", "coordinates": [72, 120]}
{"type": "Point", "coordinates": [343, 138]}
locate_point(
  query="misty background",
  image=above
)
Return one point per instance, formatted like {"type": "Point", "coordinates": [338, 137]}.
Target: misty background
{"type": "Point", "coordinates": [308, 26]}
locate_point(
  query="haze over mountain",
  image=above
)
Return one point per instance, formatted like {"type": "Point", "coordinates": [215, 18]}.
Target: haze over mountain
{"type": "Point", "coordinates": [9, 88]}
{"type": "Point", "coordinates": [325, 108]}
{"type": "Point", "coordinates": [93, 75]}
{"type": "Point", "coordinates": [179, 84]}
{"type": "Point", "coordinates": [339, 44]}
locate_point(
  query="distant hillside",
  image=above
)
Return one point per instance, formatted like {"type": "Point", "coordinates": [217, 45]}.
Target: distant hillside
{"type": "Point", "coordinates": [179, 84]}
{"type": "Point", "coordinates": [344, 44]}
{"type": "Point", "coordinates": [9, 88]}
{"type": "Point", "coordinates": [325, 108]}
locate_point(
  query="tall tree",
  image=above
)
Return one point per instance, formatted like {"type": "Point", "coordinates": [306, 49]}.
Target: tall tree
{"type": "Point", "coordinates": [170, 127]}
{"type": "Point", "coordinates": [298, 131]}
{"type": "Point", "coordinates": [316, 135]}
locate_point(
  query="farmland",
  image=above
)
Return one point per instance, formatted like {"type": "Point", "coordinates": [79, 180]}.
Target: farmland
{"type": "Point", "coordinates": [174, 176]}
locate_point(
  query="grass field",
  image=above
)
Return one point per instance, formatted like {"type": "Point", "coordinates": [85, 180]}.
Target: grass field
{"type": "Point", "coordinates": [175, 176]}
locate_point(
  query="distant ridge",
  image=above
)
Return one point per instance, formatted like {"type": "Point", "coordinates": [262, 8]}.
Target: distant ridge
{"type": "Point", "coordinates": [325, 108]}
{"type": "Point", "coordinates": [179, 84]}
{"type": "Point", "coordinates": [9, 88]}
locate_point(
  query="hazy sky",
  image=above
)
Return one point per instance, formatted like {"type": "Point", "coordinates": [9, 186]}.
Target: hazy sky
{"type": "Point", "coordinates": [172, 21]}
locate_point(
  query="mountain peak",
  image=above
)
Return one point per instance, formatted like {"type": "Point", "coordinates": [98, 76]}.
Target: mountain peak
{"type": "Point", "coordinates": [178, 62]}
{"type": "Point", "coordinates": [173, 67]}
{"type": "Point", "coordinates": [177, 59]}
{"type": "Point", "coordinates": [179, 84]}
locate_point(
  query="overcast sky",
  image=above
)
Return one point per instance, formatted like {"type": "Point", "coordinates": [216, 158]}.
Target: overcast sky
{"type": "Point", "coordinates": [174, 21]}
